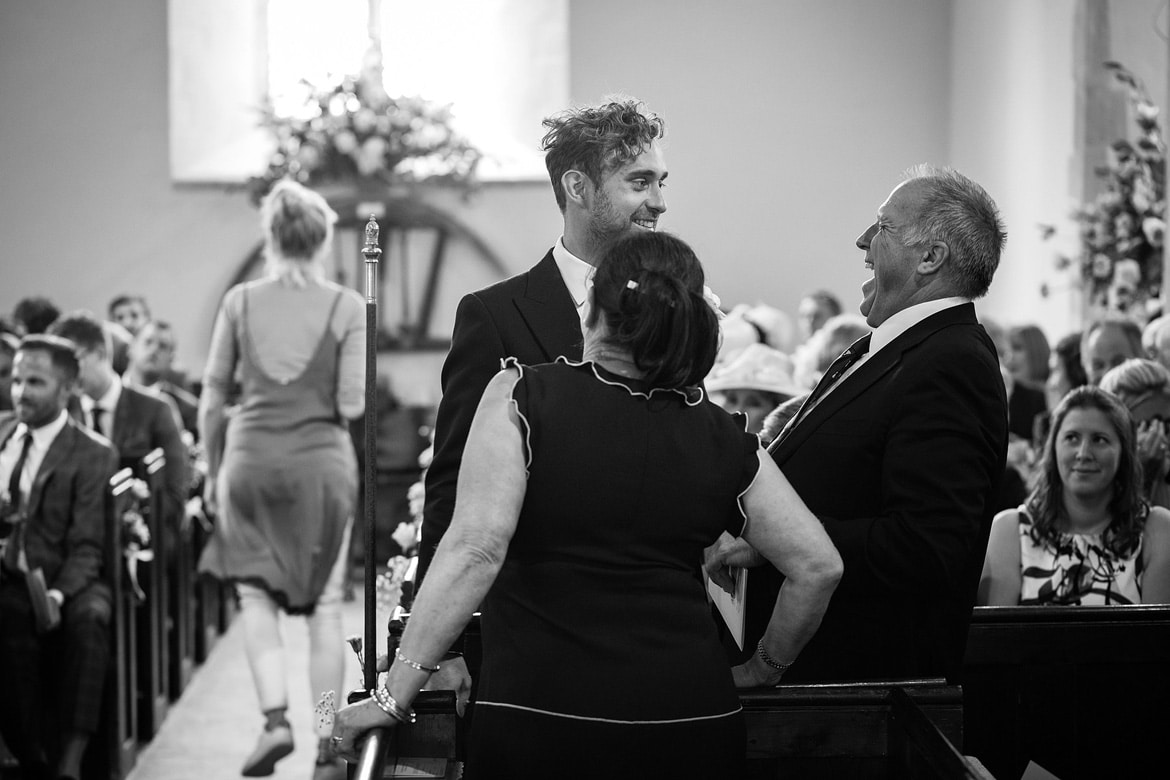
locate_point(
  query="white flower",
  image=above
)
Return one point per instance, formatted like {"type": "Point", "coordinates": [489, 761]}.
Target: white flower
{"type": "Point", "coordinates": [713, 301]}
{"type": "Point", "coordinates": [1155, 230]}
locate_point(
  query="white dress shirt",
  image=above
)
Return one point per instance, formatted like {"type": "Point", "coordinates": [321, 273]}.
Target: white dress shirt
{"type": "Point", "coordinates": [42, 439]}
{"type": "Point", "coordinates": [107, 403]}
{"type": "Point", "coordinates": [577, 275]}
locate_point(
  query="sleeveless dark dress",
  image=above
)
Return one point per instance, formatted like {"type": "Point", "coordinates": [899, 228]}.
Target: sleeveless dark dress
{"type": "Point", "coordinates": [288, 480]}
{"type": "Point", "coordinates": [600, 655]}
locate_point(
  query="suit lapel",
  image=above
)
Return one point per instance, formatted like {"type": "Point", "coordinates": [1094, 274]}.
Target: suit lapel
{"type": "Point", "coordinates": [7, 427]}
{"type": "Point", "coordinates": [548, 310]}
{"type": "Point", "coordinates": [869, 372]}
{"type": "Point", "coordinates": [58, 450]}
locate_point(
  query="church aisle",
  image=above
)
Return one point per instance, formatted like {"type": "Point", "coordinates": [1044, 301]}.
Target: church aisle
{"type": "Point", "coordinates": [211, 729]}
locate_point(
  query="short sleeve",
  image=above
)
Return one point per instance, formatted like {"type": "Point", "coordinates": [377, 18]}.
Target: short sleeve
{"type": "Point", "coordinates": [750, 449]}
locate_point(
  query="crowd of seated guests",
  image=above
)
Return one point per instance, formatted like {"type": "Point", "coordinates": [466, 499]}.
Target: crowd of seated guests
{"type": "Point", "coordinates": [121, 397]}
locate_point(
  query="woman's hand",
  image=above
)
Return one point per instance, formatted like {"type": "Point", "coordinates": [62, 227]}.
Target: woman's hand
{"type": "Point", "coordinates": [754, 673]}
{"type": "Point", "coordinates": [729, 551]}
{"type": "Point", "coordinates": [352, 723]}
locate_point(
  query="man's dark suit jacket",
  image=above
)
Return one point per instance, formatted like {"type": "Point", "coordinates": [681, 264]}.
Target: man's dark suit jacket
{"type": "Point", "coordinates": [65, 533]}
{"type": "Point", "coordinates": [143, 422]}
{"type": "Point", "coordinates": [531, 317]}
{"type": "Point", "coordinates": [901, 464]}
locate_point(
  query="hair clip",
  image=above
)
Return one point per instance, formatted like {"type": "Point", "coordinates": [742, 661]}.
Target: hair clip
{"type": "Point", "coordinates": [631, 285]}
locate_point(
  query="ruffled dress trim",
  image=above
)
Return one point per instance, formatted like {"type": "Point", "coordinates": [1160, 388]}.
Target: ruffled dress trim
{"type": "Point", "coordinates": [692, 396]}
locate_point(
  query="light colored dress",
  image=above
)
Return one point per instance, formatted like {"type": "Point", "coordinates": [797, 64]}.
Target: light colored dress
{"type": "Point", "coordinates": [288, 480]}
{"type": "Point", "coordinates": [1079, 570]}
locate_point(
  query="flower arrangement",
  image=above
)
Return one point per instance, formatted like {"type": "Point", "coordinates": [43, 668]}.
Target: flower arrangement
{"type": "Point", "coordinates": [352, 130]}
{"type": "Point", "coordinates": [1122, 231]}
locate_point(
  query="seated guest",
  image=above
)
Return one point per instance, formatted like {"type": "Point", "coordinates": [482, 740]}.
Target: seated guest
{"type": "Point", "coordinates": [8, 345]}
{"type": "Point", "coordinates": [34, 314]}
{"type": "Point", "coordinates": [1144, 387]}
{"type": "Point", "coordinates": [826, 345]}
{"type": "Point", "coordinates": [815, 309]}
{"type": "Point", "coordinates": [135, 422]}
{"type": "Point", "coordinates": [1108, 343]}
{"type": "Point", "coordinates": [1085, 534]}
{"type": "Point", "coordinates": [755, 382]}
{"type": "Point", "coordinates": [54, 516]}
{"type": "Point", "coordinates": [152, 356]}
{"type": "Point", "coordinates": [1029, 356]}
{"type": "Point", "coordinates": [1156, 340]}
{"type": "Point", "coordinates": [130, 311]}
{"type": "Point", "coordinates": [607, 584]}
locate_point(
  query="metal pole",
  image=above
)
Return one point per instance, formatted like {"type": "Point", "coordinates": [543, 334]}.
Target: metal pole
{"type": "Point", "coordinates": [371, 251]}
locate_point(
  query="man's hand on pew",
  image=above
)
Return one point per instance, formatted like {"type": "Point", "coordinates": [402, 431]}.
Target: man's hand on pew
{"type": "Point", "coordinates": [728, 552]}
{"type": "Point", "coordinates": [452, 676]}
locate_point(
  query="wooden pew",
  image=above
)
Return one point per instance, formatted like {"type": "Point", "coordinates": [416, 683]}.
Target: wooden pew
{"type": "Point", "coordinates": [895, 729]}
{"type": "Point", "coordinates": [1081, 691]}
{"type": "Point", "coordinates": [113, 753]}
{"type": "Point", "coordinates": [180, 573]}
{"type": "Point", "coordinates": [153, 682]}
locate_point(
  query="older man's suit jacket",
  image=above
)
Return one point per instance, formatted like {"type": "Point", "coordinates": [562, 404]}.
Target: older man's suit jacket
{"type": "Point", "coordinates": [143, 422]}
{"type": "Point", "coordinates": [901, 464]}
{"type": "Point", "coordinates": [65, 532]}
{"type": "Point", "coordinates": [531, 317]}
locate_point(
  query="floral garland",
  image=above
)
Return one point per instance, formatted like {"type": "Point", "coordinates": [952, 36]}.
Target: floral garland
{"type": "Point", "coordinates": [353, 130]}
{"type": "Point", "coordinates": [1122, 231]}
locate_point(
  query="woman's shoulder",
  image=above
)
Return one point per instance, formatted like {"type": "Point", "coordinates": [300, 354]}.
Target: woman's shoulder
{"type": "Point", "coordinates": [1158, 526]}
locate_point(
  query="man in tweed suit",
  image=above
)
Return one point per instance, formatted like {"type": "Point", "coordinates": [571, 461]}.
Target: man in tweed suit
{"type": "Point", "coordinates": [56, 522]}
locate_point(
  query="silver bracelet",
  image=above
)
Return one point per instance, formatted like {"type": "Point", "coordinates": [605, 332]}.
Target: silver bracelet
{"type": "Point", "coordinates": [769, 660]}
{"type": "Point", "coordinates": [388, 705]}
{"type": "Point", "coordinates": [414, 664]}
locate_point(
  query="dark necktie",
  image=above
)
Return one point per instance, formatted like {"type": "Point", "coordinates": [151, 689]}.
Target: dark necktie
{"type": "Point", "coordinates": [857, 350]}
{"type": "Point", "coordinates": [97, 421]}
{"type": "Point", "coordinates": [12, 549]}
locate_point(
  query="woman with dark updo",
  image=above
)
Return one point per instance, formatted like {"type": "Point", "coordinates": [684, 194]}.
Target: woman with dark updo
{"type": "Point", "coordinates": [587, 495]}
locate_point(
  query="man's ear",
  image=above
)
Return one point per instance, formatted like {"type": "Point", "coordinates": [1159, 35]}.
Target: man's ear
{"type": "Point", "coordinates": [576, 186]}
{"type": "Point", "coordinates": [934, 257]}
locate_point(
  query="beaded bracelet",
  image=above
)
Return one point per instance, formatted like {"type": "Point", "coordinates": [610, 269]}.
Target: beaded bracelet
{"type": "Point", "coordinates": [388, 705]}
{"type": "Point", "coordinates": [414, 664]}
{"type": "Point", "coordinates": [769, 660]}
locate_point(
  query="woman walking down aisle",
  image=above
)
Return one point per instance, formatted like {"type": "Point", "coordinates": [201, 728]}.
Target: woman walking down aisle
{"type": "Point", "coordinates": [1085, 536]}
{"type": "Point", "coordinates": [282, 473]}
{"type": "Point", "coordinates": [587, 495]}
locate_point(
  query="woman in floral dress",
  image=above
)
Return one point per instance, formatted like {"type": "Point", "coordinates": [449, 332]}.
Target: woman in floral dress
{"type": "Point", "coordinates": [1085, 536]}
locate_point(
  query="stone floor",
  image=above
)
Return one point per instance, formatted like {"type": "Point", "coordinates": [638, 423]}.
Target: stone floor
{"type": "Point", "coordinates": [211, 729]}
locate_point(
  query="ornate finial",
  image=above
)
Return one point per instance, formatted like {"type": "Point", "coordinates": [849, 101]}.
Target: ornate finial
{"type": "Point", "coordinates": [371, 249]}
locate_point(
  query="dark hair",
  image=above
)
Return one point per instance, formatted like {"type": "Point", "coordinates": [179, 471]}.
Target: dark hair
{"type": "Point", "coordinates": [1127, 508]}
{"type": "Point", "coordinates": [84, 330]}
{"type": "Point", "coordinates": [35, 313]}
{"type": "Point", "coordinates": [649, 288]}
{"type": "Point", "coordinates": [959, 213]}
{"type": "Point", "coordinates": [62, 352]}
{"type": "Point", "coordinates": [125, 298]}
{"type": "Point", "coordinates": [825, 300]}
{"type": "Point", "coordinates": [1068, 352]}
{"type": "Point", "coordinates": [597, 139]}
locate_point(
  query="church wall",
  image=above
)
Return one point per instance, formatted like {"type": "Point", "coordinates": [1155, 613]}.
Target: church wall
{"type": "Point", "coordinates": [789, 122]}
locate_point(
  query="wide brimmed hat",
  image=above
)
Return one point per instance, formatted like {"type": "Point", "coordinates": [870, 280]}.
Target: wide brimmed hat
{"type": "Point", "coordinates": [756, 367]}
